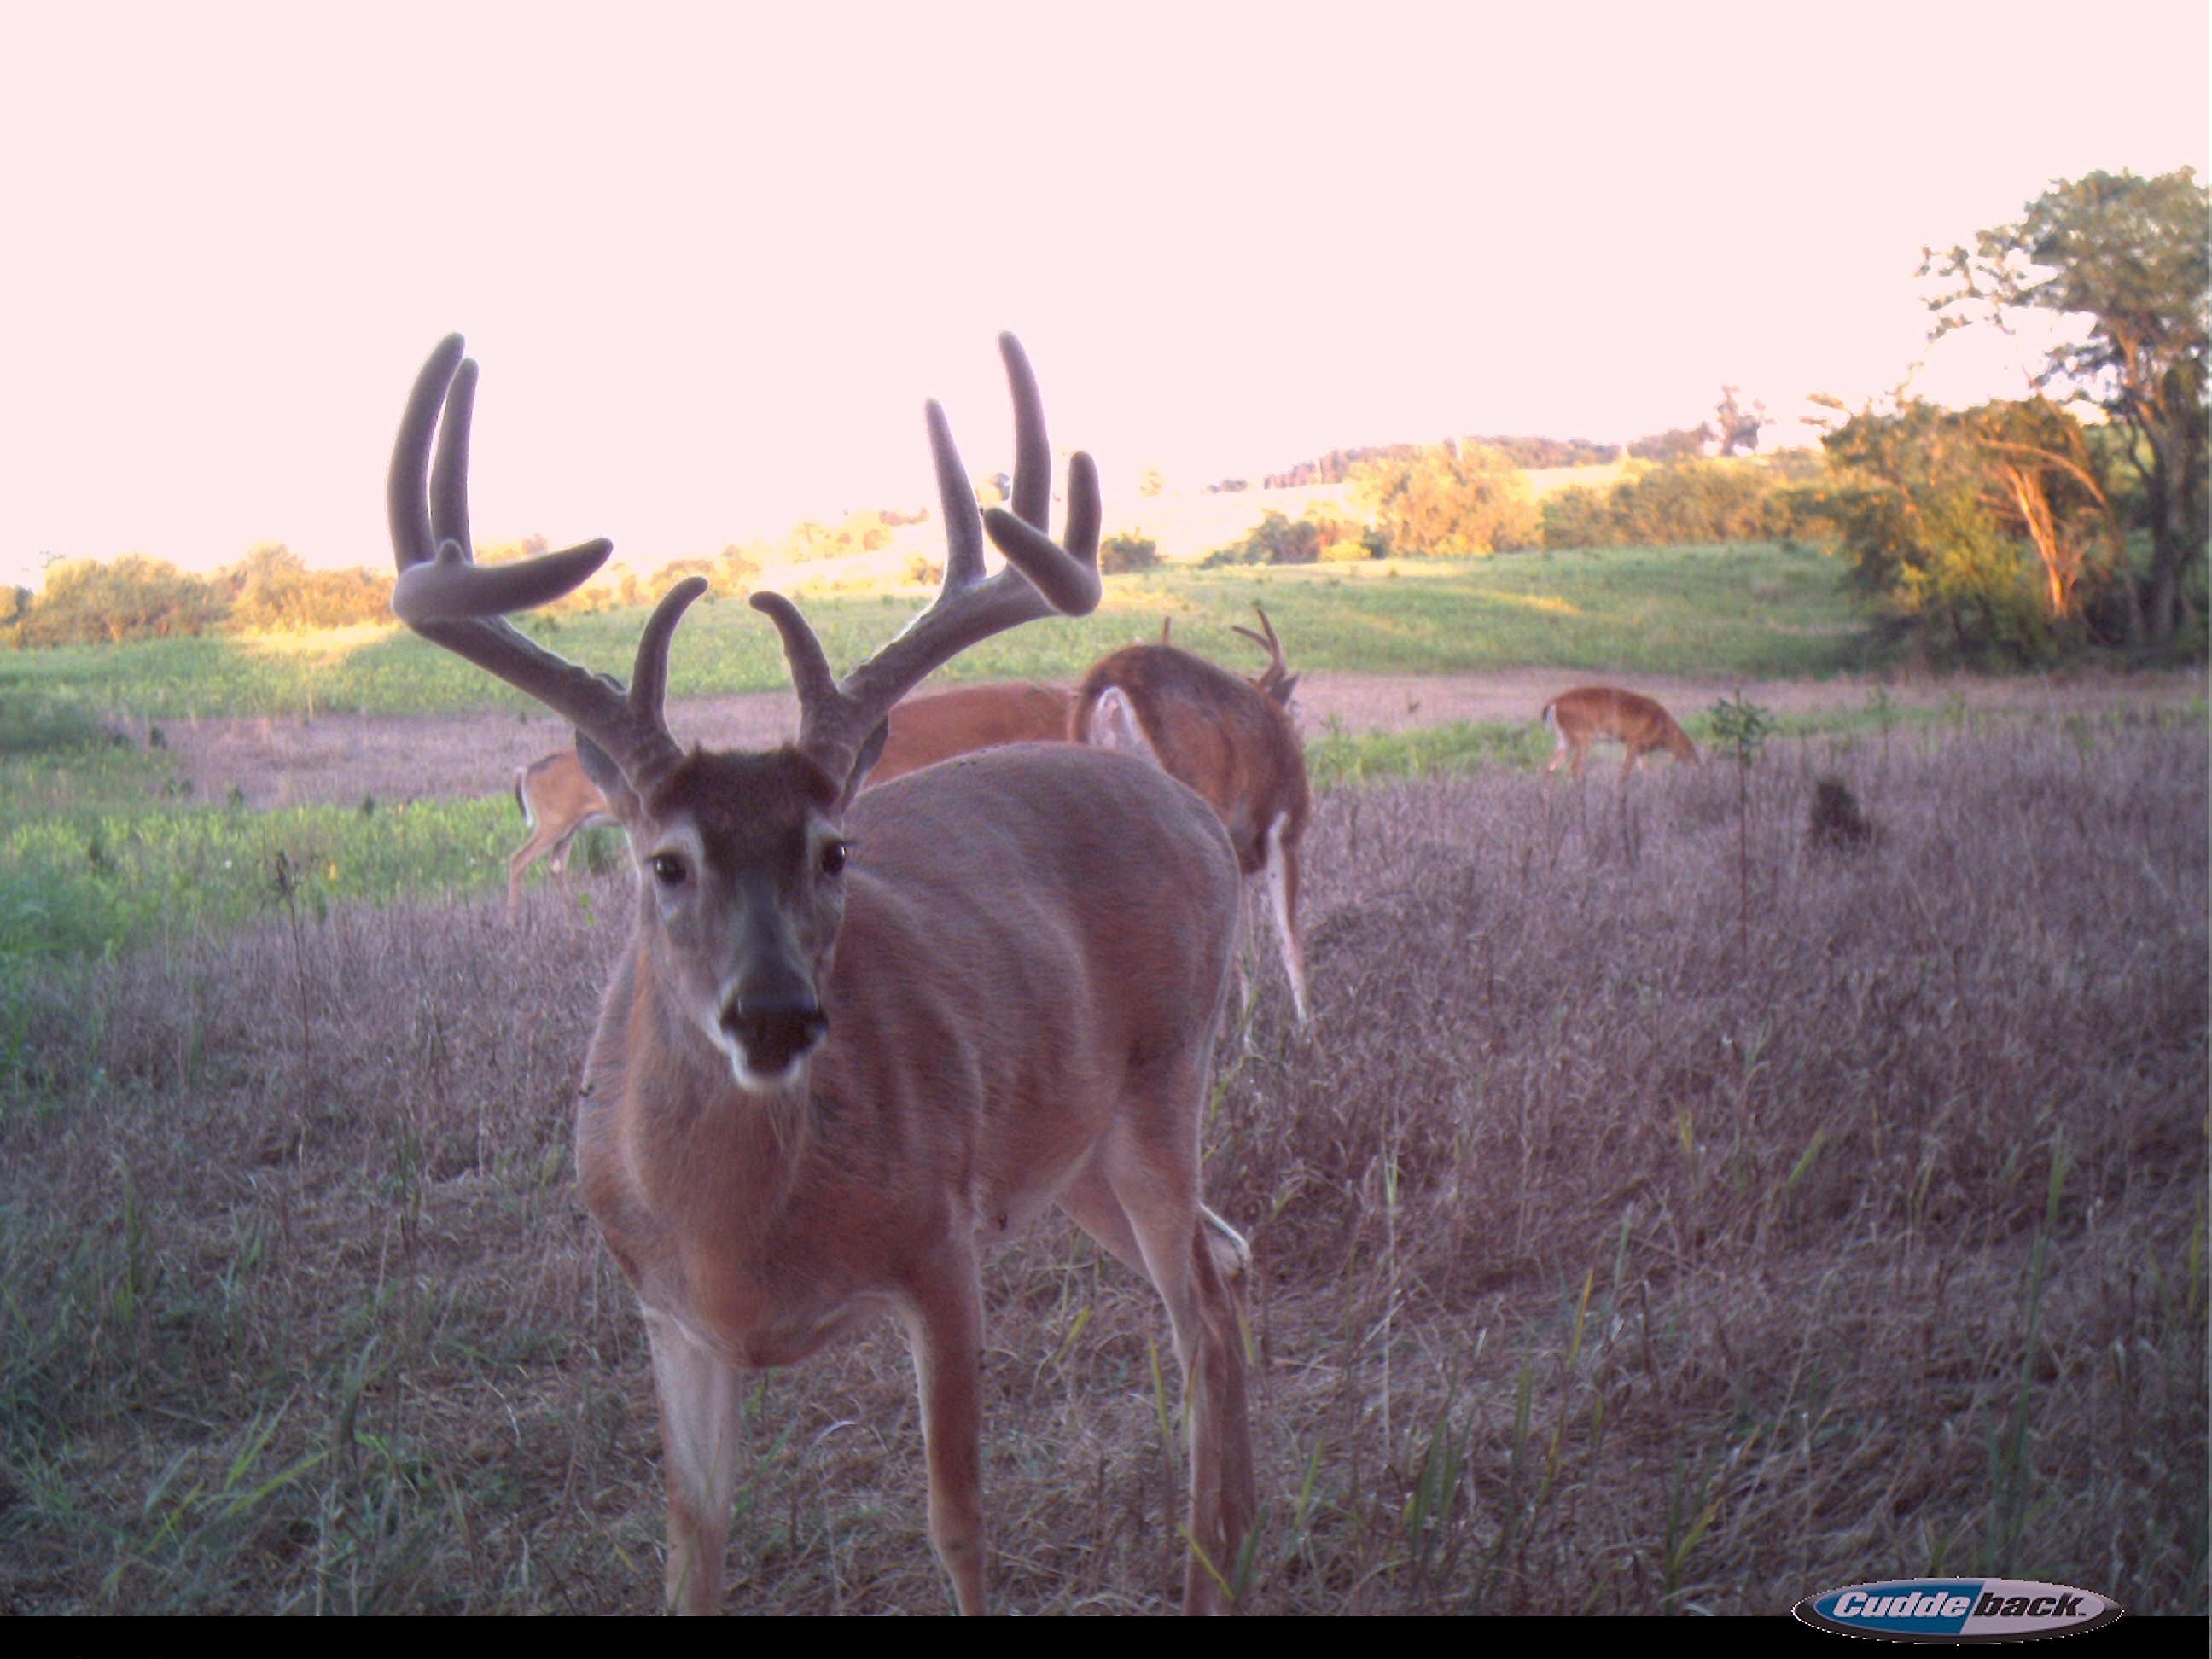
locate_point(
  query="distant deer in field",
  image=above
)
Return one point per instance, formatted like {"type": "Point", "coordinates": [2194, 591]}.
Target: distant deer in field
{"type": "Point", "coordinates": [1579, 718]}
{"type": "Point", "coordinates": [559, 803]}
{"type": "Point", "coordinates": [1234, 741]}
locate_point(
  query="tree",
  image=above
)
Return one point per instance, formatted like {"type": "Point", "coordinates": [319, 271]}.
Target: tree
{"type": "Point", "coordinates": [1118, 556]}
{"type": "Point", "coordinates": [1276, 539]}
{"type": "Point", "coordinates": [1937, 508]}
{"type": "Point", "coordinates": [2128, 255]}
{"type": "Point", "coordinates": [2042, 481]}
{"type": "Point", "coordinates": [1737, 427]}
{"type": "Point", "coordinates": [86, 602]}
{"type": "Point", "coordinates": [1684, 503]}
{"type": "Point", "coordinates": [1451, 499]}
{"type": "Point", "coordinates": [1679, 443]}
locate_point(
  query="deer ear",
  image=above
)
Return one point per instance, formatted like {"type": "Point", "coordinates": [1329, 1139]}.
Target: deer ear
{"type": "Point", "coordinates": [871, 752]}
{"type": "Point", "coordinates": [1281, 693]}
{"type": "Point", "coordinates": [606, 777]}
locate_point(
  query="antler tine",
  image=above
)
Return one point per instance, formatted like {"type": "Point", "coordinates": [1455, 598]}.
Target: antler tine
{"type": "Point", "coordinates": [1271, 645]}
{"type": "Point", "coordinates": [1032, 496]}
{"type": "Point", "coordinates": [448, 599]}
{"type": "Point", "coordinates": [439, 578]}
{"type": "Point", "coordinates": [449, 463]}
{"type": "Point", "coordinates": [648, 679]}
{"type": "Point", "coordinates": [964, 521]}
{"type": "Point", "coordinates": [407, 504]}
{"type": "Point", "coordinates": [1043, 577]}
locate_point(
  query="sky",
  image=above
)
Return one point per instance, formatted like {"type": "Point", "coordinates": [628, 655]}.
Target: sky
{"type": "Point", "coordinates": [713, 259]}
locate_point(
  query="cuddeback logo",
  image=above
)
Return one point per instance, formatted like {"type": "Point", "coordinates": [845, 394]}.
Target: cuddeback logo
{"type": "Point", "coordinates": [1957, 1610]}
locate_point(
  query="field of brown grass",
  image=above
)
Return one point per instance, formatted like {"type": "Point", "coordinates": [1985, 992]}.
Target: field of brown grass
{"type": "Point", "coordinates": [1623, 1247]}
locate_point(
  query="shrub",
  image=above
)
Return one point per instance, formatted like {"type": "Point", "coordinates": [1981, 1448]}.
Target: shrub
{"type": "Point", "coordinates": [1449, 499]}
{"type": "Point", "coordinates": [1118, 556]}
{"type": "Point", "coordinates": [87, 602]}
{"type": "Point", "coordinates": [1689, 502]}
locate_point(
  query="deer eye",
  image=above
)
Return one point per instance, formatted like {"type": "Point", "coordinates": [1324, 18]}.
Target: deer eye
{"type": "Point", "coordinates": [668, 869]}
{"type": "Point", "coordinates": [833, 856]}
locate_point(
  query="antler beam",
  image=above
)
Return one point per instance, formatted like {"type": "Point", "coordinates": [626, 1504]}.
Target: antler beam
{"type": "Point", "coordinates": [450, 599]}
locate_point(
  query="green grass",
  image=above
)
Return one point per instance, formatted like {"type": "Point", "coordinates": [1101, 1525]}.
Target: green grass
{"type": "Point", "coordinates": [99, 851]}
{"type": "Point", "coordinates": [1757, 611]}
{"type": "Point", "coordinates": [89, 880]}
{"type": "Point", "coordinates": [1334, 757]}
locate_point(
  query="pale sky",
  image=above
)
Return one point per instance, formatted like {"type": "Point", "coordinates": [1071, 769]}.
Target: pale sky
{"type": "Point", "coordinates": [714, 259]}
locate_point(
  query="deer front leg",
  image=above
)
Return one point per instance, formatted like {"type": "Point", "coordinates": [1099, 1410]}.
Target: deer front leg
{"type": "Point", "coordinates": [945, 1328]}
{"type": "Point", "coordinates": [700, 1430]}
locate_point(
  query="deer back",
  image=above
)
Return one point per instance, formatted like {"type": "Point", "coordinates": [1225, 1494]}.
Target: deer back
{"type": "Point", "coordinates": [1221, 735]}
{"type": "Point", "coordinates": [1607, 711]}
{"type": "Point", "coordinates": [927, 730]}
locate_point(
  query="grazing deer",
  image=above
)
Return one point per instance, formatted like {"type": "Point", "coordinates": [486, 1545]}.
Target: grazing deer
{"type": "Point", "coordinates": [559, 802]}
{"type": "Point", "coordinates": [852, 1043]}
{"type": "Point", "coordinates": [1579, 718]}
{"type": "Point", "coordinates": [1234, 741]}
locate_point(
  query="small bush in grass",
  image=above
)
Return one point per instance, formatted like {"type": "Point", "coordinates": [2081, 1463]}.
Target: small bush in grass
{"type": "Point", "coordinates": [1837, 825]}
{"type": "Point", "coordinates": [1118, 556]}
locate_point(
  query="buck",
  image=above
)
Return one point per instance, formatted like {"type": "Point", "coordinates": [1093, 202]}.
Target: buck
{"type": "Point", "coordinates": [1579, 718]}
{"type": "Point", "coordinates": [851, 1043]}
{"type": "Point", "coordinates": [1233, 740]}
{"type": "Point", "coordinates": [559, 802]}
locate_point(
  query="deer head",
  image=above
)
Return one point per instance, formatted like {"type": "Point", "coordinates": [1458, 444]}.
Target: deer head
{"type": "Point", "coordinates": [741, 863]}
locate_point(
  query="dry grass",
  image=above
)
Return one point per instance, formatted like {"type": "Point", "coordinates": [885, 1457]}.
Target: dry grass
{"type": "Point", "coordinates": [1605, 1269]}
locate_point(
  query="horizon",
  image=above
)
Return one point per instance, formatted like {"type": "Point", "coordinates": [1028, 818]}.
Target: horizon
{"type": "Point", "coordinates": [1237, 241]}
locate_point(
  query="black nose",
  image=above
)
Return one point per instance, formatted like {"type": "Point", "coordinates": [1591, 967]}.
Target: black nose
{"type": "Point", "coordinates": [774, 1033]}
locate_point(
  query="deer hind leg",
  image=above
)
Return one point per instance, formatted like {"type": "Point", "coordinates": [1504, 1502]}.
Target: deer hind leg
{"type": "Point", "coordinates": [558, 864]}
{"type": "Point", "coordinates": [701, 1431]}
{"type": "Point", "coordinates": [1198, 1263]}
{"type": "Point", "coordinates": [1282, 873]}
{"type": "Point", "coordinates": [945, 1328]}
{"type": "Point", "coordinates": [524, 856]}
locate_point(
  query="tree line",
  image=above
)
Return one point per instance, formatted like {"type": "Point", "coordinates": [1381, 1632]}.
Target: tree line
{"type": "Point", "coordinates": [2075, 515]}
{"type": "Point", "coordinates": [273, 590]}
{"type": "Point", "coordinates": [2016, 529]}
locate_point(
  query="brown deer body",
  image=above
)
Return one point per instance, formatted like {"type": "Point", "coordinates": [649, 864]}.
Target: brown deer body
{"type": "Point", "coordinates": [818, 1094]}
{"type": "Point", "coordinates": [927, 730]}
{"type": "Point", "coordinates": [1589, 714]}
{"type": "Point", "coordinates": [1234, 741]}
{"type": "Point", "coordinates": [559, 802]}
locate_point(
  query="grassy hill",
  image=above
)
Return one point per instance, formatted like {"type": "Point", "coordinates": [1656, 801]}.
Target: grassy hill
{"type": "Point", "coordinates": [1757, 611]}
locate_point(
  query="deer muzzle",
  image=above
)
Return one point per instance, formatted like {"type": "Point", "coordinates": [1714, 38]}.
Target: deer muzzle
{"type": "Point", "coordinates": [768, 1031]}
